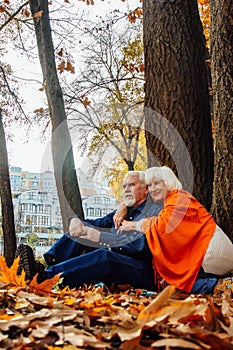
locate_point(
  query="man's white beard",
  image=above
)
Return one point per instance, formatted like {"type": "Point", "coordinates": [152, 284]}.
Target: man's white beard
{"type": "Point", "coordinates": [129, 201]}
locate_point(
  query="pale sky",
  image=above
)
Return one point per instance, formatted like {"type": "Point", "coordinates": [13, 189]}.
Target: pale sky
{"type": "Point", "coordinates": [27, 151]}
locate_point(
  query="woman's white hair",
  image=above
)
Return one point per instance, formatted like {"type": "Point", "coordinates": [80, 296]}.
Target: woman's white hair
{"type": "Point", "coordinates": [163, 173]}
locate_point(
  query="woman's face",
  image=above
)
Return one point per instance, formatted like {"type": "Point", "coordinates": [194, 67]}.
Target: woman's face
{"type": "Point", "coordinates": [158, 190]}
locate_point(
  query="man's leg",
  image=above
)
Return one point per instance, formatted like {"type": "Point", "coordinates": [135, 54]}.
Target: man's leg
{"type": "Point", "coordinates": [64, 249]}
{"type": "Point", "coordinates": [103, 265]}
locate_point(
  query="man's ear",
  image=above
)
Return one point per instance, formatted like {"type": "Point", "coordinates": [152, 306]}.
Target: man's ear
{"type": "Point", "coordinates": [146, 190]}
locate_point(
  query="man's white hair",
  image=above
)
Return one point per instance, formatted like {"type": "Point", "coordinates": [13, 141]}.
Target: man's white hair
{"type": "Point", "coordinates": [163, 173]}
{"type": "Point", "coordinates": [139, 173]}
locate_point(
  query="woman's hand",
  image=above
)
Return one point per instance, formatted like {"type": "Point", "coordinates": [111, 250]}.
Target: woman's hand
{"type": "Point", "coordinates": [76, 227]}
{"type": "Point", "coordinates": [120, 215]}
{"type": "Point", "coordinates": [127, 226]}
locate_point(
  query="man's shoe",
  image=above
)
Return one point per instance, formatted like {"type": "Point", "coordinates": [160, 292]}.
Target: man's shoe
{"type": "Point", "coordinates": [27, 262]}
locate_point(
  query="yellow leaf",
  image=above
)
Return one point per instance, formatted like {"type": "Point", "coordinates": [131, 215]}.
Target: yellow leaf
{"type": "Point", "coordinates": [69, 301]}
{"type": "Point", "coordinates": [9, 317]}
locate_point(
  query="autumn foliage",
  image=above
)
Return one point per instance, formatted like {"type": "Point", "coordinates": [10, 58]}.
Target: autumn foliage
{"type": "Point", "coordinates": [9, 276]}
{"type": "Point", "coordinates": [36, 316]}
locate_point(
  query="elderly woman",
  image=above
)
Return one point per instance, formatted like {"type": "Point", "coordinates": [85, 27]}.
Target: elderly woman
{"type": "Point", "coordinates": [189, 250]}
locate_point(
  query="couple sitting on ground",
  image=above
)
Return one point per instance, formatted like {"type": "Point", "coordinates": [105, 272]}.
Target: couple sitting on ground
{"type": "Point", "coordinates": [166, 237]}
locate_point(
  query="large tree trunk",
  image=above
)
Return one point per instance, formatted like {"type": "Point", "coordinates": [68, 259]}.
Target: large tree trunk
{"type": "Point", "coordinates": [8, 224]}
{"type": "Point", "coordinates": [63, 161]}
{"type": "Point", "coordinates": [178, 122]}
{"type": "Point", "coordinates": [222, 83]}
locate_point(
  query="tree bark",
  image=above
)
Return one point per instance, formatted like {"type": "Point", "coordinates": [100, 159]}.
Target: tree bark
{"type": "Point", "coordinates": [63, 161]}
{"type": "Point", "coordinates": [8, 223]}
{"type": "Point", "coordinates": [177, 114]}
{"type": "Point", "coordinates": [222, 83]}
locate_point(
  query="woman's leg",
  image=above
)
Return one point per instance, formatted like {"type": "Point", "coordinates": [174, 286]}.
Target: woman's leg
{"type": "Point", "coordinates": [205, 283]}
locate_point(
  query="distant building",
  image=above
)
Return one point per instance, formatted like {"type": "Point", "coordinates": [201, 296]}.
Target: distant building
{"type": "Point", "coordinates": [36, 204]}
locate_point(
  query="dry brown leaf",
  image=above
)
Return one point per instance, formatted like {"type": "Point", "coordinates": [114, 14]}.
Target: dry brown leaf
{"type": "Point", "coordinates": [43, 86]}
{"type": "Point", "coordinates": [133, 344]}
{"type": "Point", "coordinates": [162, 299]}
{"type": "Point", "coordinates": [69, 67]}
{"type": "Point", "coordinates": [39, 110]}
{"type": "Point", "coordinates": [229, 329]}
{"type": "Point", "coordinates": [175, 342]}
{"type": "Point", "coordinates": [61, 67]}
{"type": "Point", "coordinates": [85, 101]}
{"type": "Point", "coordinates": [38, 15]}
{"type": "Point", "coordinates": [60, 53]}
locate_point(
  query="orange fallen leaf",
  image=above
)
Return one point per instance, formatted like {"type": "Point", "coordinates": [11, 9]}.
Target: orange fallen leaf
{"type": "Point", "coordinates": [9, 274]}
{"type": "Point", "coordinates": [45, 286]}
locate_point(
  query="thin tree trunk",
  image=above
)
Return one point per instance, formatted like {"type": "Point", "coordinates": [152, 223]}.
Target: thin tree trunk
{"type": "Point", "coordinates": [222, 83]}
{"type": "Point", "coordinates": [8, 224]}
{"type": "Point", "coordinates": [63, 161]}
{"type": "Point", "coordinates": [177, 113]}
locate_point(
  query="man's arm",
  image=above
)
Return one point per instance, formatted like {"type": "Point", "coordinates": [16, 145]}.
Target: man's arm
{"type": "Point", "coordinates": [104, 222]}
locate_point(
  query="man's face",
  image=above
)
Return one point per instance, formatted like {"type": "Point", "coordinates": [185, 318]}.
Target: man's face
{"type": "Point", "coordinates": [135, 192]}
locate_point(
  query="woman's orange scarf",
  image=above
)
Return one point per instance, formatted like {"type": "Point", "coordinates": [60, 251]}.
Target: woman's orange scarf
{"type": "Point", "coordinates": [178, 238]}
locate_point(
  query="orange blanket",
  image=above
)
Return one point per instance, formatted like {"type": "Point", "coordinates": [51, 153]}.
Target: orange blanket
{"type": "Point", "coordinates": [178, 238]}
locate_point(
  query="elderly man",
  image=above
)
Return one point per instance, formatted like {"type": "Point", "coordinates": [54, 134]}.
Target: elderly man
{"type": "Point", "coordinates": [93, 251]}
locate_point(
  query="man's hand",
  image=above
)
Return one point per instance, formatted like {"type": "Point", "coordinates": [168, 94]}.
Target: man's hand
{"type": "Point", "coordinates": [90, 233]}
{"type": "Point", "coordinates": [76, 227]}
{"type": "Point", "coordinates": [127, 226]}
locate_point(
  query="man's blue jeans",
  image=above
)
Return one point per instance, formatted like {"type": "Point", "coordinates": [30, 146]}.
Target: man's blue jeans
{"type": "Point", "coordinates": [107, 266]}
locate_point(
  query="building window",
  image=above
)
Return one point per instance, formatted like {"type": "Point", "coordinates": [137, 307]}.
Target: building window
{"type": "Point", "coordinates": [90, 212]}
{"type": "Point", "coordinates": [28, 220]}
{"type": "Point", "coordinates": [43, 220]}
{"type": "Point", "coordinates": [42, 196]}
{"type": "Point", "coordinates": [106, 200]}
{"type": "Point", "coordinates": [40, 208]}
{"type": "Point", "coordinates": [97, 212]}
{"type": "Point", "coordinates": [97, 200]}
{"type": "Point", "coordinates": [31, 195]}
{"type": "Point", "coordinates": [43, 209]}
{"type": "Point", "coordinates": [105, 211]}
{"type": "Point", "coordinates": [23, 208]}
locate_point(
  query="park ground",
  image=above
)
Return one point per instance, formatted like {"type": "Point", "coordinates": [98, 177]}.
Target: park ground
{"type": "Point", "coordinates": [47, 317]}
